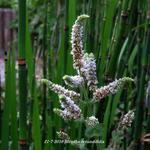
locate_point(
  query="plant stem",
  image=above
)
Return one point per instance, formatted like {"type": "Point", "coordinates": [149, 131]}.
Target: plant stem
{"type": "Point", "coordinates": [142, 62]}
{"type": "Point", "coordinates": [22, 76]}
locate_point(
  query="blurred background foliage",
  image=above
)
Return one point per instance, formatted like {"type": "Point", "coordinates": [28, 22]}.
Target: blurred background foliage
{"type": "Point", "coordinates": [118, 33]}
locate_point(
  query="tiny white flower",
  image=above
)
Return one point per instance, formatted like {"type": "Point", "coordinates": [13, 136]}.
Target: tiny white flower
{"type": "Point", "coordinates": [92, 121]}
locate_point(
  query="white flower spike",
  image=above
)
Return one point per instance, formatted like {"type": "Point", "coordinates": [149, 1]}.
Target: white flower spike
{"type": "Point", "coordinates": [61, 90]}
{"type": "Point", "coordinates": [111, 88]}
{"type": "Point", "coordinates": [77, 42]}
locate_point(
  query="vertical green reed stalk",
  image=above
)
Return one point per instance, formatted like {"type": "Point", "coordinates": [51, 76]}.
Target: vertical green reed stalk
{"type": "Point", "coordinates": [70, 16]}
{"type": "Point", "coordinates": [34, 122]}
{"type": "Point", "coordinates": [45, 52]}
{"type": "Point", "coordinates": [14, 125]}
{"type": "Point", "coordinates": [105, 36]}
{"type": "Point", "coordinates": [30, 66]}
{"type": "Point", "coordinates": [49, 112]}
{"type": "Point", "coordinates": [91, 26]}
{"type": "Point", "coordinates": [62, 51]}
{"type": "Point", "coordinates": [66, 37]}
{"type": "Point", "coordinates": [9, 116]}
{"type": "Point", "coordinates": [22, 76]}
{"type": "Point", "coordinates": [147, 145]}
{"type": "Point", "coordinates": [141, 74]}
{"type": "Point", "coordinates": [120, 38]}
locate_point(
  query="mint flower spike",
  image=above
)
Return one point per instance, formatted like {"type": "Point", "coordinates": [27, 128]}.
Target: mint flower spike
{"type": "Point", "coordinates": [70, 111]}
{"type": "Point", "coordinates": [89, 71]}
{"type": "Point", "coordinates": [77, 42]}
{"type": "Point", "coordinates": [66, 115]}
{"type": "Point", "coordinates": [61, 90]}
{"type": "Point", "coordinates": [111, 88]}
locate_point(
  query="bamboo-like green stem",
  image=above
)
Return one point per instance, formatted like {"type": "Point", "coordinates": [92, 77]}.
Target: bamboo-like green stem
{"type": "Point", "coordinates": [142, 61]}
{"type": "Point", "coordinates": [14, 125]}
{"type": "Point", "coordinates": [115, 51]}
{"type": "Point", "coordinates": [105, 39]}
{"type": "Point", "coordinates": [92, 11]}
{"type": "Point", "coordinates": [22, 76]}
{"type": "Point", "coordinates": [147, 145]}
{"type": "Point", "coordinates": [66, 36]}
{"type": "Point", "coordinates": [44, 74]}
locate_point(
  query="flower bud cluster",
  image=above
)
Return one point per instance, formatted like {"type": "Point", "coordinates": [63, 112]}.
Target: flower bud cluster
{"type": "Point", "coordinates": [127, 120]}
{"type": "Point", "coordinates": [92, 121]}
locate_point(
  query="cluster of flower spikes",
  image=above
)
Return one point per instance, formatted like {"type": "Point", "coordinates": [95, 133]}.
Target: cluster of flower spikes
{"type": "Point", "coordinates": [85, 65]}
